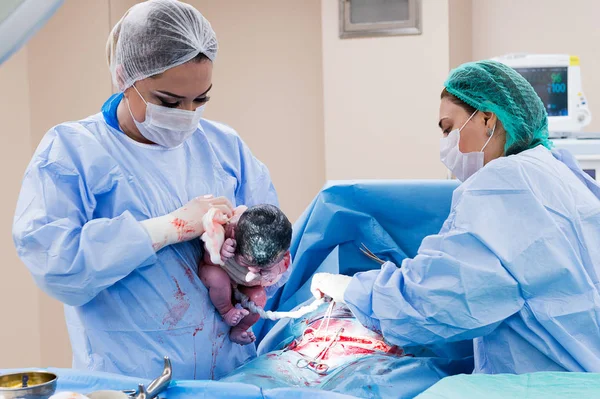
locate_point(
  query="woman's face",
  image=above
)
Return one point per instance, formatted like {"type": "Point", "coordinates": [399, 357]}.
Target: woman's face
{"type": "Point", "coordinates": [474, 134]}
{"type": "Point", "coordinates": [184, 87]}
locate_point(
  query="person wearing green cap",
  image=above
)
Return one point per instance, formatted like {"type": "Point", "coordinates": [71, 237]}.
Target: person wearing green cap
{"type": "Point", "coordinates": [494, 96]}
{"type": "Point", "coordinates": [516, 266]}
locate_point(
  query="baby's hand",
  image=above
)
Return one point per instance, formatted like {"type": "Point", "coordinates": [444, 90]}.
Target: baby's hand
{"type": "Point", "coordinates": [228, 249]}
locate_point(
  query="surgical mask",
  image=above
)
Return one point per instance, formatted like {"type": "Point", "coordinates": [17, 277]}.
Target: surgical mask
{"type": "Point", "coordinates": [167, 127]}
{"type": "Point", "coordinates": [460, 164]}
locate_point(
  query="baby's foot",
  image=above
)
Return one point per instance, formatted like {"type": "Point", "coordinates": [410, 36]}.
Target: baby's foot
{"type": "Point", "coordinates": [239, 336]}
{"type": "Point", "coordinates": [234, 316]}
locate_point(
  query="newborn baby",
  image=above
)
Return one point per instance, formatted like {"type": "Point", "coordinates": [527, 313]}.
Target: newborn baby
{"type": "Point", "coordinates": [254, 254]}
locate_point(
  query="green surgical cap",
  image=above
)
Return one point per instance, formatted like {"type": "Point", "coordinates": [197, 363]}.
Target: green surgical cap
{"type": "Point", "coordinates": [491, 86]}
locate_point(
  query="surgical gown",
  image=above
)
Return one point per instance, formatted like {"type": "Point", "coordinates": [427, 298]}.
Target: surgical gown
{"type": "Point", "coordinates": [76, 228]}
{"type": "Point", "coordinates": [515, 268]}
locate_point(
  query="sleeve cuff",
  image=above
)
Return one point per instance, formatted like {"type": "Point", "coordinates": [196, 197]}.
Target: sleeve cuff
{"type": "Point", "coordinates": [139, 245]}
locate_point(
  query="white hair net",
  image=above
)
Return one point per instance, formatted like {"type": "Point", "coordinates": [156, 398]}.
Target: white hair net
{"type": "Point", "coordinates": [154, 36]}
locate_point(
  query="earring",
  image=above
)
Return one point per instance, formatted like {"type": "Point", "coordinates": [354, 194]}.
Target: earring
{"type": "Point", "coordinates": [489, 132]}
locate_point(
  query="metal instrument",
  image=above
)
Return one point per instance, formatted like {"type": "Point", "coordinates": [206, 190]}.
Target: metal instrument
{"type": "Point", "coordinates": [366, 251]}
{"type": "Point", "coordinates": [315, 364]}
{"type": "Point", "coordinates": [155, 387]}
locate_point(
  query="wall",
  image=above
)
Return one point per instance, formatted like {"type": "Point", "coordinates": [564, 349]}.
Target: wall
{"type": "Point", "coordinates": [381, 121]}
{"type": "Point", "coordinates": [67, 69]}
{"type": "Point", "coordinates": [268, 86]}
{"type": "Point", "coordinates": [20, 332]}
{"type": "Point", "coordinates": [460, 31]}
{"type": "Point", "coordinates": [543, 26]}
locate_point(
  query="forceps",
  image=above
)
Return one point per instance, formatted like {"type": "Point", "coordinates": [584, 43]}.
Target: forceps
{"type": "Point", "coordinates": [366, 251]}
{"type": "Point", "coordinates": [315, 364]}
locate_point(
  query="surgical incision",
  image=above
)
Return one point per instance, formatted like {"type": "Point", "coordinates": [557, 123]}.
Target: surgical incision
{"type": "Point", "coordinates": [321, 346]}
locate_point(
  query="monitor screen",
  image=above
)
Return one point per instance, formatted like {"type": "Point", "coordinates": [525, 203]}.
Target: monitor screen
{"type": "Point", "coordinates": [551, 84]}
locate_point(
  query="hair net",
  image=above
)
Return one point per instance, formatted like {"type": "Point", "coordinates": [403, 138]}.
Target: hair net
{"type": "Point", "coordinates": [491, 86]}
{"type": "Point", "coordinates": [154, 36]}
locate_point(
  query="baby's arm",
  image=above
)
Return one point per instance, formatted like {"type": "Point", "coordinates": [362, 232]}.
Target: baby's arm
{"type": "Point", "coordinates": [228, 247]}
{"type": "Point", "coordinates": [227, 252]}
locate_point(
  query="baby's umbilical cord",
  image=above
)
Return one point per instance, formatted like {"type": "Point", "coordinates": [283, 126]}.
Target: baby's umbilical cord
{"type": "Point", "coordinates": [296, 314]}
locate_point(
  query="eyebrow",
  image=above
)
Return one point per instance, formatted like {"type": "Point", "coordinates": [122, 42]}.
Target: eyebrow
{"type": "Point", "coordinates": [166, 93]}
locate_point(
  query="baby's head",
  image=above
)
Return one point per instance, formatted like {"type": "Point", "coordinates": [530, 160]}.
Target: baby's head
{"type": "Point", "coordinates": [263, 235]}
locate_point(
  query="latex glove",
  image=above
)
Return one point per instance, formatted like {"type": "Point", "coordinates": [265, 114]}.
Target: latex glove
{"type": "Point", "coordinates": [331, 285]}
{"type": "Point", "coordinates": [185, 223]}
{"type": "Point", "coordinates": [232, 223]}
{"type": "Point", "coordinates": [214, 234]}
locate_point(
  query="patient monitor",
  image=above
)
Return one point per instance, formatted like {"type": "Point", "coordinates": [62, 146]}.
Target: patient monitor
{"type": "Point", "coordinates": [557, 80]}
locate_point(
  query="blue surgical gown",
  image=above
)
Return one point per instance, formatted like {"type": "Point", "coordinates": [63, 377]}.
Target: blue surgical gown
{"type": "Point", "coordinates": [515, 268]}
{"type": "Point", "coordinates": [76, 228]}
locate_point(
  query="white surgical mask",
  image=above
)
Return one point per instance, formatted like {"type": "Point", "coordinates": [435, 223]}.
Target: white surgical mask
{"type": "Point", "coordinates": [460, 164]}
{"type": "Point", "coordinates": [167, 127]}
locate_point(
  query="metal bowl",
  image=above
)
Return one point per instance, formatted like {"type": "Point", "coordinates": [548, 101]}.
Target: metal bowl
{"type": "Point", "coordinates": [40, 385]}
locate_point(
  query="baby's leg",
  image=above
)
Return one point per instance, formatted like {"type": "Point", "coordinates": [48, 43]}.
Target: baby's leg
{"type": "Point", "coordinates": [219, 289]}
{"type": "Point", "coordinates": [241, 333]}
{"type": "Point", "coordinates": [259, 297]}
